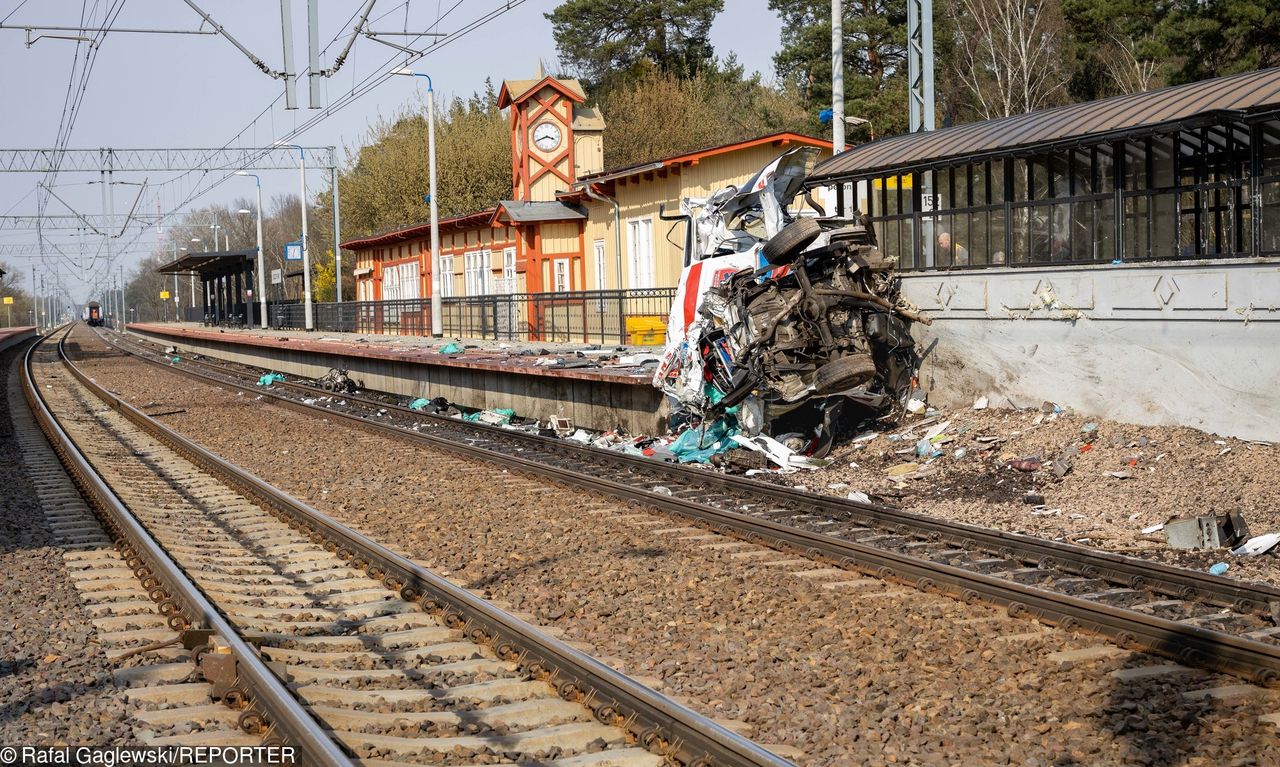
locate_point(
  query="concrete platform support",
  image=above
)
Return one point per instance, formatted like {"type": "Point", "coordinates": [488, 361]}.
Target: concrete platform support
{"type": "Point", "coordinates": [1189, 343]}
{"type": "Point", "coordinates": [593, 403]}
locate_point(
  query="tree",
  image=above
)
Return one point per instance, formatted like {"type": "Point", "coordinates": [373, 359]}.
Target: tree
{"type": "Point", "coordinates": [20, 311]}
{"type": "Point", "coordinates": [606, 40]}
{"type": "Point", "coordinates": [1117, 49]}
{"type": "Point", "coordinates": [711, 108]}
{"type": "Point", "coordinates": [1011, 55]}
{"type": "Point", "coordinates": [875, 58]}
{"type": "Point", "coordinates": [1212, 38]}
{"type": "Point", "coordinates": [386, 181]}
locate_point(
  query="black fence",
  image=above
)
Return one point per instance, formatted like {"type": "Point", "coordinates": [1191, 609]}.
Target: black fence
{"type": "Point", "coordinates": [590, 316]}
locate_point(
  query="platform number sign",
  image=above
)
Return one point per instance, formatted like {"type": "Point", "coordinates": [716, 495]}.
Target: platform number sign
{"type": "Point", "coordinates": [8, 300]}
{"type": "Point", "coordinates": [277, 276]}
{"type": "Point", "coordinates": [293, 251]}
{"type": "Point", "coordinates": [164, 295]}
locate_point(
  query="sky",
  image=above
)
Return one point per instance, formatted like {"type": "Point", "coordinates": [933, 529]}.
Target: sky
{"type": "Point", "coordinates": [181, 91]}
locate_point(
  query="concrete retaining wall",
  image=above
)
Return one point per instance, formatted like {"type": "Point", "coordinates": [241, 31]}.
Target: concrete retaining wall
{"type": "Point", "coordinates": [1190, 343]}
{"type": "Point", "coordinates": [593, 404]}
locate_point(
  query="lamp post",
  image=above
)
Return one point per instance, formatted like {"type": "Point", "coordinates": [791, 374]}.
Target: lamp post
{"type": "Point", "coordinates": [309, 321]}
{"type": "Point", "coordinates": [437, 311]}
{"type": "Point", "coordinates": [856, 121]}
{"type": "Point", "coordinates": [262, 285]}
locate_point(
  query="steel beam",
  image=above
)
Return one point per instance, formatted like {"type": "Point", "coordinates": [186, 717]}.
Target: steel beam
{"type": "Point", "coordinates": [109, 159]}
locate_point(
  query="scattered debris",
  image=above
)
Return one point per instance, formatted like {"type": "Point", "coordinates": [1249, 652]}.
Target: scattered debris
{"type": "Point", "coordinates": [270, 379]}
{"type": "Point", "coordinates": [798, 320]}
{"type": "Point", "coordinates": [496, 417]}
{"type": "Point", "coordinates": [1258, 545]}
{"type": "Point", "coordinates": [980, 403]}
{"type": "Point", "coordinates": [1026, 464]}
{"type": "Point", "coordinates": [1210, 531]}
{"type": "Point", "coordinates": [859, 497]}
{"type": "Point", "coordinates": [1219, 568]}
{"type": "Point", "coordinates": [1153, 529]}
{"type": "Point", "coordinates": [453, 347]}
{"type": "Point", "coordinates": [1034, 499]}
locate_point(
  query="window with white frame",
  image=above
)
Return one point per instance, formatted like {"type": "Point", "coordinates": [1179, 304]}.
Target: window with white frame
{"type": "Point", "coordinates": [390, 283]}
{"type": "Point", "coordinates": [409, 280]}
{"type": "Point", "coordinates": [640, 252]}
{"type": "Point", "coordinates": [601, 272]}
{"type": "Point", "coordinates": [446, 276]}
{"type": "Point", "coordinates": [476, 271]}
{"type": "Point", "coordinates": [560, 268]}
{"type": "Point", "coordinates": [509, 269]}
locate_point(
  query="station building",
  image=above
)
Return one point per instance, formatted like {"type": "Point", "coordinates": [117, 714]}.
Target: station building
{"type": "Point", "coordinates": [1120, 256]}
{"type": "Point", "coordinates": [572, 225]}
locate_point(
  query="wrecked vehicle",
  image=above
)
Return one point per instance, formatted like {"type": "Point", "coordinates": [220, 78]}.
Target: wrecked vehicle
{"type": "Point", "coordinates": [791, 322]}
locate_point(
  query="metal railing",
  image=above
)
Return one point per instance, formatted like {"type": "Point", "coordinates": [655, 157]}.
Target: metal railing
{"type": "Point", "coordinates": [589, 316]}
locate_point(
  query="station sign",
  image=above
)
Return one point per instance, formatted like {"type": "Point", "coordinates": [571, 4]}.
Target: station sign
{"type": "Point", "coordinates": [8, 300]}
{"type": "Point", "coordinates": [164, 294]}
{"type": "Point", "coordinates": [293, 251]}
{"type": "Point", "coordinates": [277, 276]}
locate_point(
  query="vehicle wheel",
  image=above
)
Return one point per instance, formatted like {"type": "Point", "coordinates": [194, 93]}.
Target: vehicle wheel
{"type": "Point", "coordinates": [844, 373]}
{"type": "Point", "coordinates": [794, 237]}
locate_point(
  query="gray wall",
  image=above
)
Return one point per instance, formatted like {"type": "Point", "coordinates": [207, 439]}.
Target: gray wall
{"type": "Point", "coordinates": [1192, 343]}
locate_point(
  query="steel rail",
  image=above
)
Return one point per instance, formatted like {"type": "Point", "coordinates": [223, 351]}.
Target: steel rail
{"type": "Point", "coordinates": [1246, 658]}
{"type": "Point", "coordinates": [1118, 568]}
{"type": "Point", "coordinates": [659, 724]}
{"type": "Point", "coordinates": [178, 597]}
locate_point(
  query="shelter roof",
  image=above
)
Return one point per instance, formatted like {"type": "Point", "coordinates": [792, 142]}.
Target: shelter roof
{"type": "Point", "coordinates": [1236, 95]}
{"type": "Point", "coordinates": [523, 212]}
{"type": "Point", "coordinates": [211, 263]}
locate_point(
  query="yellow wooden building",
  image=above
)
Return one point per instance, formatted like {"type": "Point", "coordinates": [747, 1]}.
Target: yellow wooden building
{"type": "Point", "coordinates": [571, 225]}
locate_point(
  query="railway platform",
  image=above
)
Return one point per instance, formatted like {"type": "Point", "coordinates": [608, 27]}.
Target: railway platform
{"type": "Point", "coordinates": [588, 385]}
{"type": "Point", "coordinates": [11, 336]}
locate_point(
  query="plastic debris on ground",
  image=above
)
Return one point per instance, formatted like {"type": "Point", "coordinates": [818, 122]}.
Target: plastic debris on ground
{"type": "Point", "coordinates": [453, 347]}
{"type": "Point", "coordinates": [496, 417]}
{"type": "Point", "coordinates": [779, 453]}
{"type": "Point", "coordinates": [1257, 545]}
{"type": "Point", "coordinates": [269, 379]}
{"type": "Point", "coordinates": [698, 444]}
{"type": "Point", "coordinates": [1220, 568]}
{"type": "Point", "coordinates": [419, 404]}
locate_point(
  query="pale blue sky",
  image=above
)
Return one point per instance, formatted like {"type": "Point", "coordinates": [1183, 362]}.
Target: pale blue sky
{"type": "Point", "coordinates": [199, 91]}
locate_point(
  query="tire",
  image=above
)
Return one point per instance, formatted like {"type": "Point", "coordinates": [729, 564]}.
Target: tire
{"type": "Point", "coordinates": [794, 237]}
{"type": "Point", "coordinates": [844, 373]}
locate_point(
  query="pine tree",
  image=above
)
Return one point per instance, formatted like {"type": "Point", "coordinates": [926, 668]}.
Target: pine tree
{"type": "Point", "coordinates": [604, 41]}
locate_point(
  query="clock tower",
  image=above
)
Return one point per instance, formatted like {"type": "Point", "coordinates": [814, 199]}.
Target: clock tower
{"type": "Point", "coordinates": [555, 137]}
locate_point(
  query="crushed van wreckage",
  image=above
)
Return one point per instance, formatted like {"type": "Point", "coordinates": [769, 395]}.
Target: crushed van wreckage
{"type": "Point", "coordinates": [792, 325]}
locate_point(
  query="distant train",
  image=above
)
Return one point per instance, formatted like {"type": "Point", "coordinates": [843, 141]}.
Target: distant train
{"type": "Point", "coordinates": [93, 313]}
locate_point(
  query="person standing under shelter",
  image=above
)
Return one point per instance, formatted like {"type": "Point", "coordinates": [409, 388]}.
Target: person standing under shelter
{"type": "Point", "coordinates": [960, 257]}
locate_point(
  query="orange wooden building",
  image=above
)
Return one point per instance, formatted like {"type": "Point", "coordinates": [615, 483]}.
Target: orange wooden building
{"type": "Point", "coordinates": [571, 225]}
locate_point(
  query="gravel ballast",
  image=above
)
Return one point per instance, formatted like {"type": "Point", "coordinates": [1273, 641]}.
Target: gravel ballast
{"type": "Point", "coordinates": [56, 687]}
{"type": "Point", "coordinates": [845, 677]}
{"type": "Point", "coordinates": [1120, 480]}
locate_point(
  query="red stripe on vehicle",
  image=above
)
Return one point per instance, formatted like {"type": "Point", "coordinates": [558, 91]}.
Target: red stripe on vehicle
{"type": "Point", "coordinates": [691, 291]}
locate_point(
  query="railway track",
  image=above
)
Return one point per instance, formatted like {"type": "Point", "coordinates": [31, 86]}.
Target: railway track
{"type": "Point", "coordinates": [1194, 618]}
{"type": "Point", "coordinates": [319, 638]}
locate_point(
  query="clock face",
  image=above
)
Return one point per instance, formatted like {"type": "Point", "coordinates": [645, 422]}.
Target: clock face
{"type": "Point", "coordinates": [546, 136]}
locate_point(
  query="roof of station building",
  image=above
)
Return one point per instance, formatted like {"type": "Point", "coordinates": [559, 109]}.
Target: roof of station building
{"type": "Point", "coordinates": [1232, 96]}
